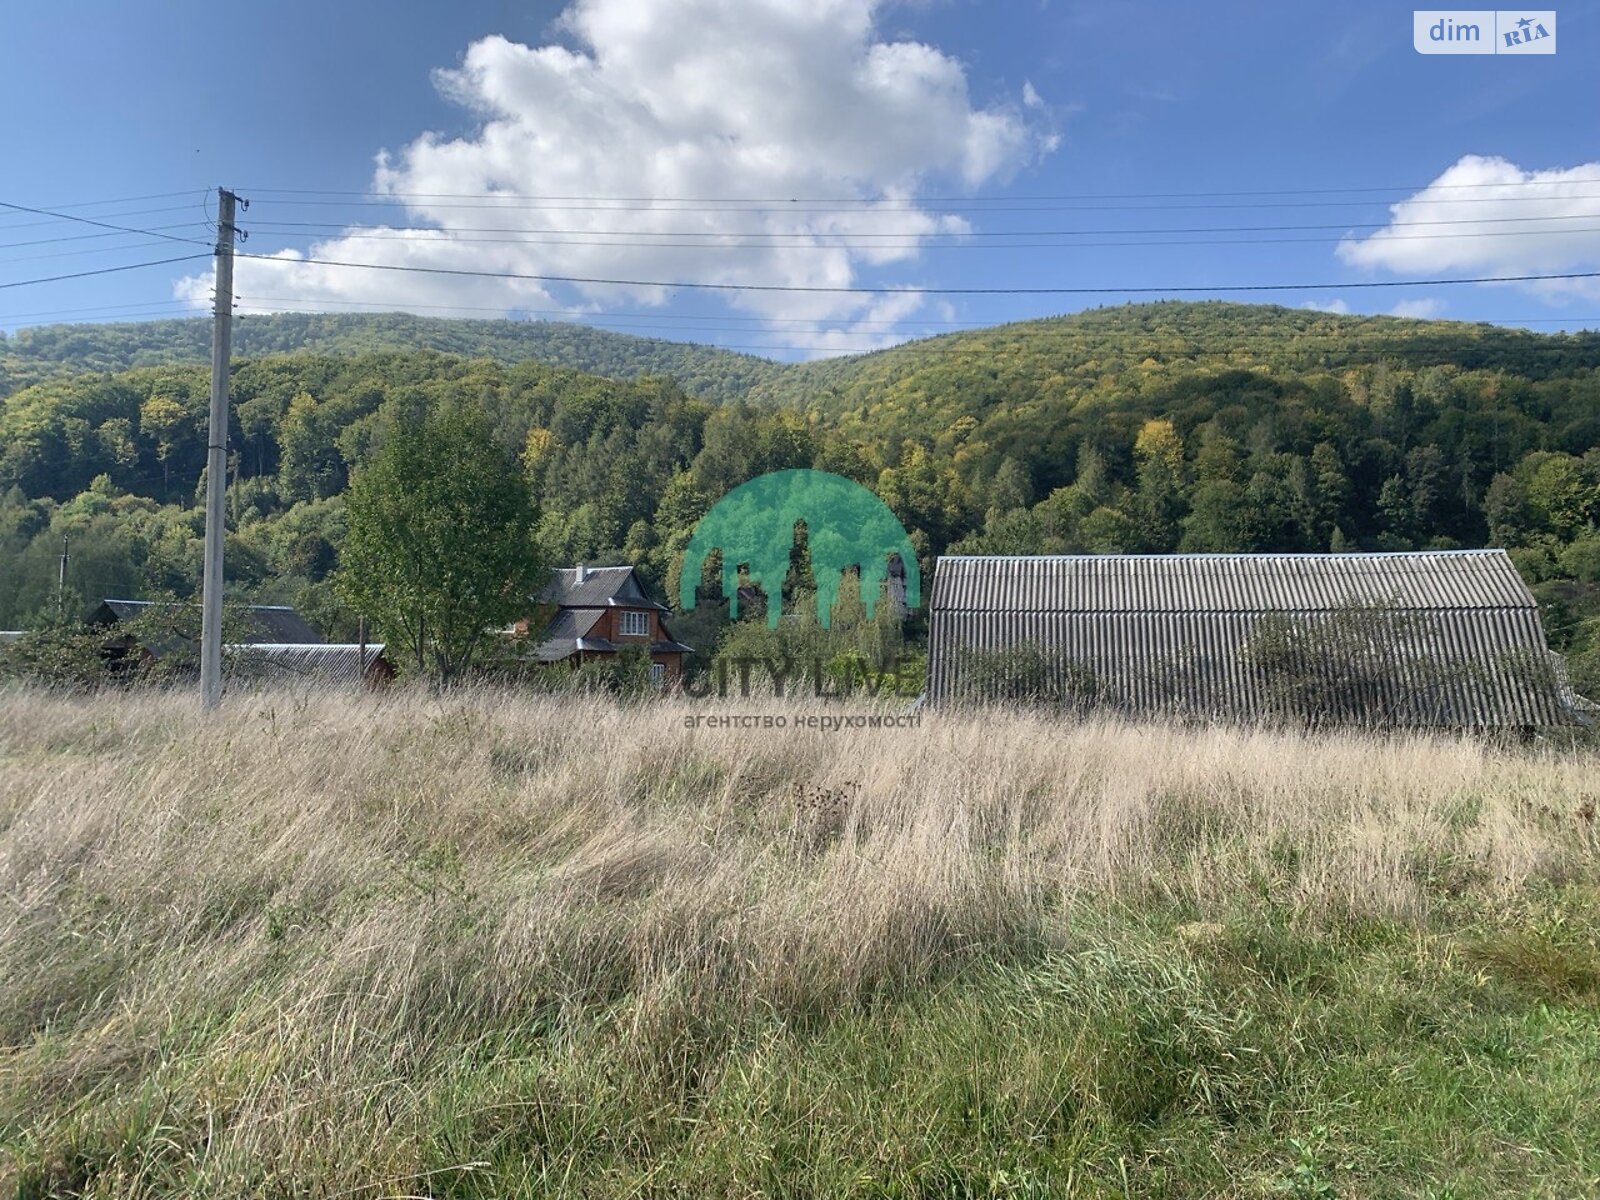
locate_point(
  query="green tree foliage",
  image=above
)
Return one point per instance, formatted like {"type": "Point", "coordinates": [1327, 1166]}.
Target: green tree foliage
{"type": "Point", "coordinates": [52, 351]}
{"type": "Point", "coordinates": [1198, 427]}
{"type": "Point", "coordinates": [855, 652]}
{"type": "Point", "coordinates": [159, 645]}
{"type": "Point", "coordinates": [56, 653]}
{"type": "Point", "coordinates": [1159, 501]}
{"type": "Point", "coordinates": [439, 548]}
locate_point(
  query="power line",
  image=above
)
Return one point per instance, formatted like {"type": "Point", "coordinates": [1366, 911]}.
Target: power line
{"type": "Point", "coordinates": [56, 220]}
{"type": "Point", "coordinates": [161, 262]}
{"type": "Point", "coordinates": [150, 233]}
{"type": "Point", "coordinates": [110, 312]}
{"type": "Point", "coordinates": [142, 245]}
{"type": "Point", "coordinates": [124, 229]}
{"type": "Point", "coordinates": [925, 198]}
{"type": "Point", "coordinates": [749, 287]}
{"type": "Point", "coordinates": [337, 228]}
{"type": "Point", "coordinates": [932, 291]}
{"type": "Point", "coordinates": [820, 242]}
{"type": "Point", "coordinates": [895, 206]}
{"type": "Point", "coordinates": [127, 199]}
{"type": "Point", "coordinates": [85, 237]}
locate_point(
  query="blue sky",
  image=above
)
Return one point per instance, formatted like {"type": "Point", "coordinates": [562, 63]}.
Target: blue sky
{"type": "Point", "coordinates": [1009, 140]}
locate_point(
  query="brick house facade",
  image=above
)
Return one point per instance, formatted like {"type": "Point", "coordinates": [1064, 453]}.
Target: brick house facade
{"type": "Point", "coordinates": [587, 613]}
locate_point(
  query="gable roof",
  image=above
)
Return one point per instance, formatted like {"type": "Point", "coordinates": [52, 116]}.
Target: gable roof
{"type": "Point", "coordinates": [1235, 583]}
{"type": "Point", "coordinates": [269, 622]}
{"type": "Point", "coordinates": [600, 587]}
{"type": "Point", "coordinates": [568, 633]}
{"type": "Point", "coordinates": [1173, 633]}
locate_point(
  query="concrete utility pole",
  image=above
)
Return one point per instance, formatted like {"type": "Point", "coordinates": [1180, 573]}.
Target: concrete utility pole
{"type": "Point", "coordinates": [216, 457]}
{"type": "Point", "coordinates": [61, 579]}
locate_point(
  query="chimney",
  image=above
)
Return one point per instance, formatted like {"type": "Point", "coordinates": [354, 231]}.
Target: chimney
{"type": "Point", "coordinates": [581, 574]}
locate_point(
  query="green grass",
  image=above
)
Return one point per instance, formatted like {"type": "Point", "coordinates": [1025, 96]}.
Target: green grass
{"type": "Point", "coordinates": [1277, 1058]}
{"type": "Point", "coordinates": [464, 997]}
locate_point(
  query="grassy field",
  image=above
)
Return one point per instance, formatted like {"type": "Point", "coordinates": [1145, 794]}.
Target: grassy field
{"type": "Point", "coordinates": [494, 946]}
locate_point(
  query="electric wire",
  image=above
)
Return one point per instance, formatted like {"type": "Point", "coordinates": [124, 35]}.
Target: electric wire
{"type": "Point", "coordinates": [868, 290]}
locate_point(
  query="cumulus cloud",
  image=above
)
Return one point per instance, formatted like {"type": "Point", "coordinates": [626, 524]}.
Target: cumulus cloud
{"type": "Point", "coordinates": [1491, 217]}
{"type": "Point", "coordinates": [1420, 309]}
{"type": "Point", "coordinates": [696, 100]}
{"type": "Point", "coordinates": [1327, 306]}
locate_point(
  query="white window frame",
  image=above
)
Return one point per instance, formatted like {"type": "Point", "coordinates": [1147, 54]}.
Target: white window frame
{"type": "Point", "coordinates": [658, 674]}
{"type": "Point", "coordinates": [633, 616]}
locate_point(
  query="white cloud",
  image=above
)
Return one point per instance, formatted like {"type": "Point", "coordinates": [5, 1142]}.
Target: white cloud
{"type": "Point", "coordinates": [698, 99]}
{"type": "Point", "coordinates": [1327, 306]}
{"type": "Point", "coordinates": [1498, 219]}
{"type": "Point", "coordinates": [872, 330]}
{"type": "Point", "coordinates": [1420, 309]}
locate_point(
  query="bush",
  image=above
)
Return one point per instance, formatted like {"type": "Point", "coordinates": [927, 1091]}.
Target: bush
{"type": "Point", "coordinates": [1029, 673]}
{"type": "Point", "coordinates": [1367, 663]}
{"type": "Point", "coordinates": [1581, 560]}
{"type": "Point", "coordinates": [1583, 671]}
{"type": "Point", "coordinates": [58, 654]}
{"type": "Point", "coordinates": [161, 645]}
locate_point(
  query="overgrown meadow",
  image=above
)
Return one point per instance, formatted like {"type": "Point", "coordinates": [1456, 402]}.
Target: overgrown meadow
{"type": "Point", "coordinates": [493, 944]}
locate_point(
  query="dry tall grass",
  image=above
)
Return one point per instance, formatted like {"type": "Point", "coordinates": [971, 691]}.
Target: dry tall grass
{"type": "Point", "coordinates": [298, 914]}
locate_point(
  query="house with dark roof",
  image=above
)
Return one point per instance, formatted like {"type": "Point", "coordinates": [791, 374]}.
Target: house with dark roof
{"type": "Point", "coordinates": [141, 630]}
{"type": "Point", "coordinates": [265, 622]}
{"type": "Point", "coordinates": [1434, 638]}
{"type": "Point", "coordinates": [587, 613]}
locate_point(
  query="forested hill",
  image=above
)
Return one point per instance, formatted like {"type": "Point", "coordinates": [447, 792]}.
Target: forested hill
{"type": "Point", "coordinates": [927, 384]}
{"type": "Point", "coordinates": [1146, 429]}
{"type": "Point", "coordinates": [44, 351]}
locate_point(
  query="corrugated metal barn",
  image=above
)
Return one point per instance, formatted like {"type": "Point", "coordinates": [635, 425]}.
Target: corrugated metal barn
{"type": "Point", "coordinates": [1442, 638]}
{"type": "Point", "coordinates": [332, 665]}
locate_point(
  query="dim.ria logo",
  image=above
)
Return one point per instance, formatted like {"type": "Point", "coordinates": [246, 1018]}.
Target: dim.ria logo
{"type": "Point", "coordinates": [753, 527]}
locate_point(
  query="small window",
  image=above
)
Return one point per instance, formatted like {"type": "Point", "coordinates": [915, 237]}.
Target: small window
{"type": "Point", "coordinates": [658, 673]}
{"type": "Point", "coordinates": [635, 624]}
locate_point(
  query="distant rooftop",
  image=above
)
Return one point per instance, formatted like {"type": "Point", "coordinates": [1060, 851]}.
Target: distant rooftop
{"type": "Point", "coordinates": [271, 622]}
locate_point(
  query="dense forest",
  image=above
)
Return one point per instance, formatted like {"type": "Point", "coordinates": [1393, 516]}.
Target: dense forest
{"type": "Point", "coordinates": [48, 351]}
{"type": "Point", "coordinates": [1151, 428]}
